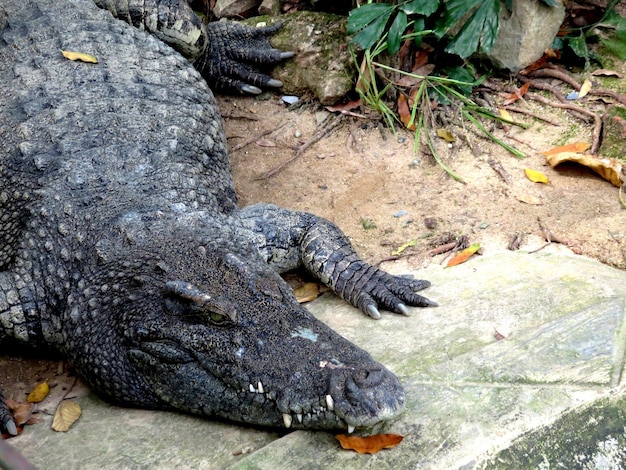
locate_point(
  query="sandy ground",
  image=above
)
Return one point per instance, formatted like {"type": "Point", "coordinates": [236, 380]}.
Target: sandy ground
{"type": "Point", "coordinates": [363, 172]}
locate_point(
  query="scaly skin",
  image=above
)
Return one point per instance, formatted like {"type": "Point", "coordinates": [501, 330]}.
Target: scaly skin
{"type": "Point", "coordinates": [122, 246]}
{"type": "Point", "coordinates": [228, 55]}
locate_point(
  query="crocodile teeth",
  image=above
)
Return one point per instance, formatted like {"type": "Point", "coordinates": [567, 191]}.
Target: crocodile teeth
{"type": "Point", "coordinates": [260, 388]}
{"type": "Point", "coordinates": [252, 390]}
{"type": "Point", "coordinates": [330, 403]}
{"type": "Point", "coordinates": [299, 416]}
{"type": "Point", "coordinates": [287, 420]}
{"type": "Point", "coordinates": [350, 429]}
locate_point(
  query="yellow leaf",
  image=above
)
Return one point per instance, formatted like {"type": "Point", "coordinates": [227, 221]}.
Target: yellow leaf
{"type": "Point", "coordinates": [72, 55]}
{"type": "Point", "coordinates": [536, 176]}
{"type": "Point", "coordinates": [369, 444]}
{"type": "Point", "coordinates": [404, 247]}
{"type": "Point", "coordinates": [39, 393]}
{"type": "Point", "coordinates": [66, 415]}
{"type": "Point", "coordinates": [464, 255]}
{"type": "Point", "coordinates": [574, 147]}
{"type": "Point", "coordinates": [610, 169]}
{"type": "Point", "coordinates": [504, 114]}
{"type": "Point", "coordinates": [446, 135]}
{"type": "Point", "coordinates": [584, 89]}
{"type": "Point", "coordinates": [307, 292]}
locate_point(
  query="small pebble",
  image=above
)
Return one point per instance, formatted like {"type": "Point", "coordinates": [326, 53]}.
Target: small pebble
{"type": "Point", "coordinates": [401, 140]}
{"type": "Point", "coordinates": [430, 223]}
{"type": "Point", "coordinates": [297, 133]}
{"type": "Point", "coordinates": [484, 225]}
{"type": "Point", "coordinates": [290, 99]}
{"type": "Point", "coordinates": [401, 213]}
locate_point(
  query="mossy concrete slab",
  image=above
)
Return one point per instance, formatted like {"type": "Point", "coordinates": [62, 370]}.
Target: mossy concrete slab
{"type": "Point", "coordinates": [519, 341]}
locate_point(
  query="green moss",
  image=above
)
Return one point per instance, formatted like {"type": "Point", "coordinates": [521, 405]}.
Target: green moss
{"type": "Point", "coordinates": [572, 131]}
{"type": "Point", "coordinates": [579, 439]}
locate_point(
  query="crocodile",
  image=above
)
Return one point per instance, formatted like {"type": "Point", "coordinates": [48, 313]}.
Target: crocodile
{"type": "Point", "coordinates": [123, 249]}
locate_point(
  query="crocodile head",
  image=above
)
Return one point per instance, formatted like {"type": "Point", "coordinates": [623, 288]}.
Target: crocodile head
{"type": "Point", "coordinates": [206, 327]}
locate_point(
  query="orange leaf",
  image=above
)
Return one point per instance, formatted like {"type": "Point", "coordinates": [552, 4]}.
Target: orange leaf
{"type": "Point", "coordinates": [405, 112]}
{"type": "Point", "coordinates": [370, 444]}
{"type": "Point", "coordinates": [609, 168]}
{"type": "Point", "coordinates": [513, 97]}
{"type": "Point", "coordinates": [464, 255]}
{"type": "Point", "coordinates": [574, 147]}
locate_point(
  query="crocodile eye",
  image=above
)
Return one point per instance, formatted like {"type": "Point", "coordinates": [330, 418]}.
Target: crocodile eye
{"type": "Point", "coordinates": [217, 317]}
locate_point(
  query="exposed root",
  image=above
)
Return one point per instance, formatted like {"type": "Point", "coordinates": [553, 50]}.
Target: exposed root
{"type": "Point", "coordinates": [597, 129]}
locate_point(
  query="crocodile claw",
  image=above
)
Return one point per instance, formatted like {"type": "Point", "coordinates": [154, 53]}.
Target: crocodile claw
{"type": "Point", "coordinates": [382, 290]}
{"type": "Point", "coordinates": [235, 54]}
{"type": "Point", "coordinates": [372, 311]}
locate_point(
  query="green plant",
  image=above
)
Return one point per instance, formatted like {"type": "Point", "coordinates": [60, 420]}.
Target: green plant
{"type": "Point", "coordinates": [576, 38]}
{"type": "Point", "coordinates": [453, 90]}
{"type": "Point", "coordinates": [475, 23]}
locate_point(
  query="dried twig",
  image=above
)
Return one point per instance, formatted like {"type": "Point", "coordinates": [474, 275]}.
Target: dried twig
{"type": "Point", "coordinates": [256, 137]}
{"type": "Point", "coordinates": [528, 113]}
{"type": "Point", "coordinates": [317, 137]}
{"type": "Point", "coordinates": [516, 240]}
{"type": "Point", "coordinates": [499, 169]}
{"type": "Point", "coordinates": [249, 117]}
{"type": "Point", "coordinates": [550, 237]}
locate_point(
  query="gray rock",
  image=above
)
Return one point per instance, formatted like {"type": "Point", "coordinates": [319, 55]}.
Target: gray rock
{"type": "Point", "coordinates": [270, 7]}
{"type": "Point", "coordinates": [233, 8]}
{"type": "Point", "coordinates": [525, 33]}
{"type": "Point", "coordinates": [322, 63]}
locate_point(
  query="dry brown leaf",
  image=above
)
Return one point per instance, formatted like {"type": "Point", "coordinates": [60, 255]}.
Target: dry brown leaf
{"type": "Point", "coordinates": [573, 147]}
{"type": "Point", "coordinates": [446, 135]}
{"type": "Point", "coordinates": [307, 292]}
{"type": "Point", "coordinates": [72, 55]}
{"type": "Point", "coordinates": [464, 255]}
{"type": "Point", "coordinates": [66, 415]}
{"type": "Point", "coordinates": [369, 444]}
{"type": "Point", "coordinates": [610, 169]}
{"type": "Point", "coordinates": [349, 106]}
{"type": "Point", "coordinates": [21, 411]}
{"type": "Point", "coordinates": [39, 393]}
{"type": "Point", "coordinates": [607, 73]}
{"type": "Point", "coordinates": [536, 176]}
{"type": "Point", "coordinates": [265, 143]}
{"type": "Point", "coordinates": [405, 112]}
{"type": "Point", "coordinates": [528, 199]}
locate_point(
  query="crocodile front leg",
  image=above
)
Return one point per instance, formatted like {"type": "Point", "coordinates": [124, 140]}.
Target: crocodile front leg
{"type": "Point", "coordinates": [288, 239]}
{"type": "Point", "coordinates": [229, 55]}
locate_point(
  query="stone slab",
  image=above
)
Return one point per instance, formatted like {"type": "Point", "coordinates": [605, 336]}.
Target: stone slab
{"type": "Point", "coordinates": [519, 341]}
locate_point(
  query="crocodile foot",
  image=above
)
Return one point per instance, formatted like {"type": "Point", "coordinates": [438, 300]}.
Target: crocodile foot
{"type": "Point", "coordinates": [7, 424]}
{"type": "Point", "coordinates": [389, 292]}
{"type": "Point", "coordinates": [234, 55]}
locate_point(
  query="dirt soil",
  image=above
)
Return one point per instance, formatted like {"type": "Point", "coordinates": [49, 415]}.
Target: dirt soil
{"type": "Point", "coordinates": [362, 172]}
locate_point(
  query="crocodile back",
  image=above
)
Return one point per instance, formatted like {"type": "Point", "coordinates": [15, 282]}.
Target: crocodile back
{"type": "Point", "coordinates": [139, 130]}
